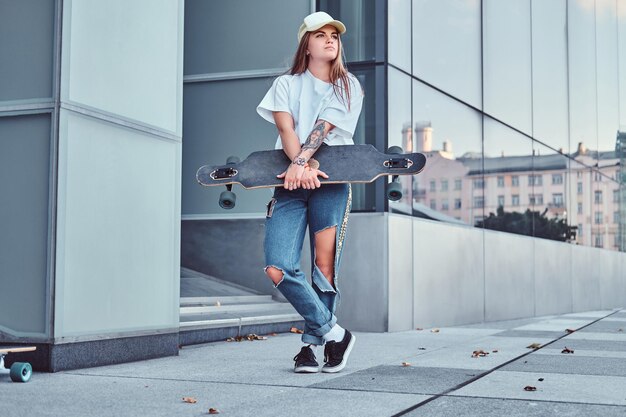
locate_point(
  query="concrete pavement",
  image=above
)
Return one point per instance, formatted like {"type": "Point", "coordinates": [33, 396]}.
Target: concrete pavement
{"type": "Point", "coordinates": [413, 373]}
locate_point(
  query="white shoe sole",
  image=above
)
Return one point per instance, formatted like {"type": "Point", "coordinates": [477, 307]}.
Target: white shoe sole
{"type": "Point", "coordinates": [329, 370]}
{"type": "Point", "coordinates": [306, 370]}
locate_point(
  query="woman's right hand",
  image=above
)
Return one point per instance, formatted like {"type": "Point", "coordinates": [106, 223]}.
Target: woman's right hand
{"type": "Point", "coordinates": [292, 176]}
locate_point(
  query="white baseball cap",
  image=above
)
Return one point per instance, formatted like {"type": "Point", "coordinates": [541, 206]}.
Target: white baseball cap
{"type": "Point", "coordinates": [316, 20]}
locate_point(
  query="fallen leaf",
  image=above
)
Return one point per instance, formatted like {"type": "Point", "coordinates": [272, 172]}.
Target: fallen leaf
{"type": "Point", "coordinates": [495, 351]}
{"type": "Point", "coordinates": [296, 330]}
{"type": "Point", "coordinates": [190, 400]}
{"type": "Point", "coordinates": [214, 411]}
{"type": "Point", "coordinates": [419, 328]}
{"type": "Point", "coordinates": [406, 364]}
{"type": "Point", "coordinates": [540, 379]}
{"type": "Point", "coordinates": [529, 388]}
{"type": "Point", "coordinates": [534, 346]}
{"type": "Point", "coordinates": [479, 353]}
{"type": "Point", "coordinates": [230, 339]}
{"type": "Point", "coordinates": [434, 331]}
{"type": "Point", "coordinates": [273, 334]}
{"type": "Point", "coordinates": [421, 348]}
{"type": "Point", "coordinates": [570, 330]}
{"type": "Point", "coordinates": [566, 350]}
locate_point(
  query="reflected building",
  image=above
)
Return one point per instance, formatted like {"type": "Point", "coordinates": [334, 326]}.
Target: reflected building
{"type": "Point", "coordinates": [469, 188]}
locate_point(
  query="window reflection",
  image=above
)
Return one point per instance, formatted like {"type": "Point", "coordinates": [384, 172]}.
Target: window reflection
{"type": "Point", "coordinates": [400, 132]}
{"type": "Point", "coordinates": [549, 71]}
{"type": "Point", "coordinates": [451, 59]}
{"type": "Point", "coordinates": [507, 57]}
{"type": "Point", "coordinates": [607, 77]}
{"type": "Point", "coordinates": [449, 134]}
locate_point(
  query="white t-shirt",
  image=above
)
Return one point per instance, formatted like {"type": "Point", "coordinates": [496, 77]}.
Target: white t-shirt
{"type": "Point", "coordinates": [309, 99]}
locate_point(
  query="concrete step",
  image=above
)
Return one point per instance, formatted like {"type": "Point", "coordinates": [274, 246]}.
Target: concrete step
{"type": "Point", "coordinates": [268, 307]}
{"type": "Point", "coordinates": [224, 300]}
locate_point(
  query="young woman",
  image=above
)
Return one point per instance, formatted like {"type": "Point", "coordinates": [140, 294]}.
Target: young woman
{"type": "Point", "coordinates": [317, 104]}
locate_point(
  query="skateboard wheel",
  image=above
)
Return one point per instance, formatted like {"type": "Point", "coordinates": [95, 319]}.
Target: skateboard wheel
{"type": "Point", "coordinates": [21, 372]}
{"type": "Point", "coordinates": [394, 191]}
{"type": "Point", "coordinates": [227, 200]}
{"type": "Point", "coordinates": [232, 160]}
{"type": "Point", "coordinates": [395, 150]}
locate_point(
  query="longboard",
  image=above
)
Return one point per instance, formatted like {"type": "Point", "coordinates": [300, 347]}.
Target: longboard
{"type": "Point", "coordinates": [342, 164]}
{"type": "Point", "coordinates": [20, 371]}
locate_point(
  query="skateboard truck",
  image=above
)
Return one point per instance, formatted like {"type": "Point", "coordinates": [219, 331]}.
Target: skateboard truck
{"type": "Point", "coordinates": [227, 198]}
{"type": "Point", "coordinates": [394, 188]}
{"type": "Point", "coordinates": [223, 173]}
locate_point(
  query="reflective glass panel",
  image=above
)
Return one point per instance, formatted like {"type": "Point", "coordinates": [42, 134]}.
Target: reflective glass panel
{"type": "Point", "coordinates": [549, 55]}
{"type": "Point", "coordinates": [243, 34]}
{"type": "Point", "coordinates": [25, 170]}
{"type": "Point", "coordinates": [607, 78]}
{"type": "Point", "coordinates": [449, 133]}
{"type": "Point", "coordinates": [446, 46]}
{"type": "Point", "coordinates": [399, 35]}
{"type": "Point", "coordinates": [580, 206]}
{"type": "Point", "coordinates": [549, 194]}
{"type": "Point", "coordinates": [508, 154]}
{"type": "Point", "coordinates": [360, 20]}
{"type": "Point", "coordinates": [582, 73]}
{"type": "Point", "coordinates": [399, 129]}
{"type": "Point", "coordinates": [26, 49]}
{"type": "Point", "coordinates": [507, 68]}
{"type": "Point", "coordinates": [621, 29]}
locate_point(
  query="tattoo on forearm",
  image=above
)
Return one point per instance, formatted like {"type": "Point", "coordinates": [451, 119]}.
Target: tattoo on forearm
{"type": "Point", "coordinates": [299, 161]}
{"type": "Point", "coordinates": [316, 137]}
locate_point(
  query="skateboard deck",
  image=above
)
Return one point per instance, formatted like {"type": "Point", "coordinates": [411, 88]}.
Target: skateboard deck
{"type": "Point", "coordinates": [20, 371]}
{"type": "Point", "coordinates": [342, 164]}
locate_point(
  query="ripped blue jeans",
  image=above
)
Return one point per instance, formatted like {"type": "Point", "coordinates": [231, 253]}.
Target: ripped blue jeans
{"type": "Point", "coordinates": [288, 215]}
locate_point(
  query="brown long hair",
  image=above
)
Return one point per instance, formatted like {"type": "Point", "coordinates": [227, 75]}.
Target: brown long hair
{"type": "Point", "coordinates": [339, 77]}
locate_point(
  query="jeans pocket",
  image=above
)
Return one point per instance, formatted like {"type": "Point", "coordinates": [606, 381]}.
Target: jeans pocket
{"type": "Point", "coordinates": [270, 208]}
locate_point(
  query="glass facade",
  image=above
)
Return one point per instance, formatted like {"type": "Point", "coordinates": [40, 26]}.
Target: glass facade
{"type": "Point", "coordinates": [517, 116]}
{"type": "Point", "coordinates": [526, 127]}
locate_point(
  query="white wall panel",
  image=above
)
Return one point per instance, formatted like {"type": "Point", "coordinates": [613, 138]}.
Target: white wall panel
{"type": "Point", "coordinates": [125, 57]}
{"type": "Point", "coordinates": [509, 276]}
{"type": "Point", "coordinates": [448, 274]}
{"type": "Point", "coordinates": [585, 282]}
{"type": "Point", "coordinates": [118, 229]}
{"type": "Point", "coordinates": [553, 277]}
{"type": "Point", "coordinates": [401, 276]}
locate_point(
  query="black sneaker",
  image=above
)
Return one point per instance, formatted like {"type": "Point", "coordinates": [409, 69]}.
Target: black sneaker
{"type": "Point", "coordinates": [336, 353]}
{"type": "Point", "coordinates": [305, 361]}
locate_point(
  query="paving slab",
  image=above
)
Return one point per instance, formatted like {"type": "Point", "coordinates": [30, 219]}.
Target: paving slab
{"type": "Point", "coordinates": [401, 379]}
{"type": "Point", "coordinates": [616, 337]}
{"type": "Point", "coordinates": [495, 407]}
{"type": "Point", "coordinates": [273, 358]}
{"type": "Point", "coordinates": [555, 325]}
{"type": "Point", "coordinates": [595, 345]}
{"type": "Point", "coordinates": [606, 326]}
{"type": "Point", "coordinates": [75, 395]}
{"type": "Point", "coordinates": [583, 352]}
{"type": "Point", "coordinates": [570, 388]}
{"type": "Point", "coordinates": [460, 356]}
{"type": "Point", "coordinates": [569, 364]}
{"type": "Point", "coordinates": [506, 324]}
{"type": "Point", "coordinates": [323, 402]}
{"type": "Point", "coordinates": [594, 314]}
{"type": "Point", "coordinates": [532, 333]}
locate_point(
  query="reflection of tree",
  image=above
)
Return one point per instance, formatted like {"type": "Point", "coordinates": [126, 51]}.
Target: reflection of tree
{"type": "Point", "coordinates": [529, 223]}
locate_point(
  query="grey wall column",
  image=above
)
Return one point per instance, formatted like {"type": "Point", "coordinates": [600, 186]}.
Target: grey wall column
{"type": "Point", "coordinates": [116, 251]}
